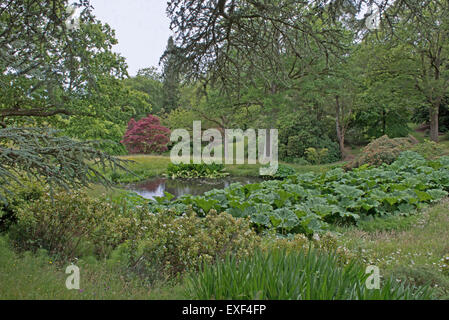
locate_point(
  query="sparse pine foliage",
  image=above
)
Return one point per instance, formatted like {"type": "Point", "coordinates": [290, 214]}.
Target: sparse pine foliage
{"type": "Point", "coordinates": [43, 154]}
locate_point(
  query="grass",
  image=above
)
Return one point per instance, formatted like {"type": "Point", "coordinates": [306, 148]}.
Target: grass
{"type": "Point", "coordinates": [148, 166]}
{"type": "Point", "coordinates": [142, 167]}
{"type": "Point", "coordinates": [34, 276]}
{"type": "Point", "coordinates": [404, 246]}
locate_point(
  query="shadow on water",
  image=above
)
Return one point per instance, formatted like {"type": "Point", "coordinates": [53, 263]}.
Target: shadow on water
{"type": "Point", "coordinates": [157, 186]}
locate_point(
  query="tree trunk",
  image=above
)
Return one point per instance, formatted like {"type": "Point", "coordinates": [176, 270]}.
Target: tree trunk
{"type": "Point", "coordinates": [434, 110]}
{"type": "Point", "coordinates": [340, 128]}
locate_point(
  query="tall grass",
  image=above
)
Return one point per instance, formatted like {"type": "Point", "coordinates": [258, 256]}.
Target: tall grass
{"type": "Point", "coordinates": [29, 276]}
{"type": "Point", "coordinates": [311, 275]}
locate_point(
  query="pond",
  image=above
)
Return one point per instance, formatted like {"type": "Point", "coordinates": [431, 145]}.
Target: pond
{"type": "Point", "coordinates": [157, 186]}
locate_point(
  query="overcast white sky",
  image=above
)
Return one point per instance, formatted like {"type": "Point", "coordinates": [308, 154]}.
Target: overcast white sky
{"type": "Point", "coordinates": [141, 26]}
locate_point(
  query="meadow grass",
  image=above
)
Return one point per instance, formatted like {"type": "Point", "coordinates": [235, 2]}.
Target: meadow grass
{"type": "Point", "coordinates": [407, 246]}
{"type": "Point", "coordinates": [143, 167]}
{"type": "Point", "coordinates": [30, 276]}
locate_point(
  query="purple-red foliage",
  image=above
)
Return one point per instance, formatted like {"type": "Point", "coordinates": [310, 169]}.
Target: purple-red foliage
{"type": "Point", "coordinates": [146, 136]}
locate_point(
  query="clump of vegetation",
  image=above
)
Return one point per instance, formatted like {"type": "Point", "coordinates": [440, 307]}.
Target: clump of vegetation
{"type": "Point", "coordinates": [21, 195]}
{"type": "Point", "coordinates": [299, 132]}
{"type": "Point", "coordinates": [192, 170]}
{"type": "Point", "coordinates": [380, 151]}
{"type": "Point", "coordinates": [387, 223]}
{"type": "Point", "coordinates": [68, 225]}
{"type": "Point", "coordinates": [430, 149]}
{"type": "Point", "coordinates": [283, 172]}
{"type": "Point", "coordinates": [30, 275]}
{"type": "Point", "coordinates": [422, 275]}
{"type": "Point", "coordinates": [311, 275]}
{"type": "Point", "coordinates": [170, 245]}
{"type": "Point", "coordinates": [316, 156]}
{"type": "Point", "coordinates": [146, 136]}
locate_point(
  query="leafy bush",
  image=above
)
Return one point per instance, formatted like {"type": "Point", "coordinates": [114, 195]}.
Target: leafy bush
{"type": "Point", "coordinates": [283, 172]}
{"type": "Point", "coordinates": [171, 245]}
{"type": "Point", "coordinates": [302, 131]}
{"type": "Point", "coordinates": [70, 222]}
{"type": "Point", "coordinates": [315, 156]}
{"type": "Point", "coordinates": [311, 275]}
{"type": "Point", "coordinates": [23, 193]}
{"type": "Point", "coordinates": [191, 170]}
{"type": "Point", "coordinates": [382, 150]}
{"type": "Point", "coordinates": [146, 135]}
{"type": "Point", "coordinates": [429, 149]}
{"type": "Point", "coordinates": [307, 203]}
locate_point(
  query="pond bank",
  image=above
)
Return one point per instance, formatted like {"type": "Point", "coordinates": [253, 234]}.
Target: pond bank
{"type": "Point", "coordinates": [156, 187]}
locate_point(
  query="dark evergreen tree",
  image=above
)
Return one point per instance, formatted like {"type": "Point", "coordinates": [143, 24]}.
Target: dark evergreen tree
{"type": "Point", "coordinates": [170, 78]}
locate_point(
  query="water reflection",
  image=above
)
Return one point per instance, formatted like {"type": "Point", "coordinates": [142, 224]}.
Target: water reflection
{"type": "Point", "coordinates": [178, 187]}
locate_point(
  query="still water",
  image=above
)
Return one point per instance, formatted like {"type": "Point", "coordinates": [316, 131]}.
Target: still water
{"type": "Point", "coordinates": [157, 186]}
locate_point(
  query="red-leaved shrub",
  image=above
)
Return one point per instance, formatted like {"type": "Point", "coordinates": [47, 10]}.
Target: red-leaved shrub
{"type": "Point", "coordinates": [146, 136]}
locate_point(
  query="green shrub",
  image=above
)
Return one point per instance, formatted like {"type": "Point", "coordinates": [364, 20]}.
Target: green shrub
{"type": "Point", "coordinates": [172, 245]}
{"type": "Point", "coordinates": [23, 193]}
{"type": "Point", "coordinates": [311, 275]}
{"type": "Point", "coordinates": [301, 131]}
{"type": "Point", "coordinates": [315, 156]}
{"type": "Point", "coordinates": [430, 149]}
{"type": "Point", "coordinates": [282, 172]}
{"type": "Point", "coordinates": [70, 223]}
{"type": "Point", "coordinates": [300, 242]}
{"type": "Point", "coordinates": [296, 148]}
{"type": "Point", "coordinates": [191, 170]}
{"type": "Point", "coordinates": [380, 151]}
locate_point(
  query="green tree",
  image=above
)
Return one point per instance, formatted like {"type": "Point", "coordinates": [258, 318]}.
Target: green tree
{"type": "Point", "coordinates": [171, 77]}
{"type": "Point", "coordinates": [46, 69]}
{"type": "Point", "coordinates": [149, 81]}
{"type": "Point", "coordinates": [417, 33]}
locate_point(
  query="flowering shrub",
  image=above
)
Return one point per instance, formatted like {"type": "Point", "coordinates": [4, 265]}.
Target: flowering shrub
{"type": "Point", "coordinates": [146, 135]}
{"type": "Point", "coordinates": [382, 150]}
